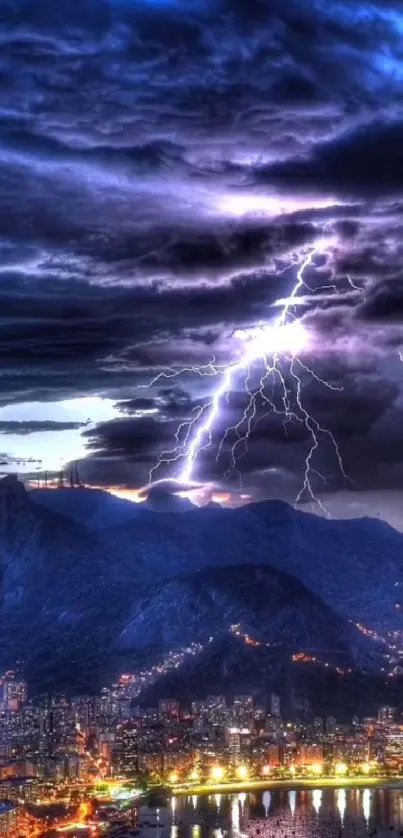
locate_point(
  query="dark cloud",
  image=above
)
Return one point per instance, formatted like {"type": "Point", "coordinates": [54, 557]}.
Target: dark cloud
{"type": "Point", "coordinates": [37, 426]}
{"type": "Point", "coordinates": [342, 416]}
{"type": "Point", "coordinates": [385, 303]}
{"type": "Point", "coordinates": [367, 161]}
{"type": "Point", "coordinates": [165, 169]}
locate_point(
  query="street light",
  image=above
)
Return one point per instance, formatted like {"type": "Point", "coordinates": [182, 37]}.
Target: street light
{"type": "Point", "coordinates": [341, 768]}
{"type": "Point", "coordinates": [217, 773]}
{"type": "Point", "coordinates": [242, 772]}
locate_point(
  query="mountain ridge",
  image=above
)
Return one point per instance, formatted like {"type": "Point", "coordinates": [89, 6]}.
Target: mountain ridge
{"type": "Point", "coordinates": [69, 593]}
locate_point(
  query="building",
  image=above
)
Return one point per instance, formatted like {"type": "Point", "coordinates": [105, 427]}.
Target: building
{"type": "Point", "coordinates": [168, 710]}
{"type": "Point", "coordinates": [85, 712]}
{"type": "Point", "coordinates": [318, 727]}
{"type": "Point", "coordinates": [13, 691]}
{"type": "Point", "coordinates": [152, 763]}
{"type": "Point", "coordinates": [15, 789]}
{"type": "Point", "coordinates": [393, 746]}
{"type": "Point", "coordinates": [9, 820]}
{"type": "Point", "coordinates": [233, 742]}
{"type": "Point", "coordinates": [274, 756]}
{"type": "Point", "coordinates": [126, 749]}
{"type": "Point", "coordinates": [331, 726]}
{"type": "Point", "coordinates": [242, 711]}
{"type": "Point", "coordinates": [386, 715]}
{"type": "Point", "coordinates": [309, 753]}
{"type": "Point", "coordinates": [275, 705]}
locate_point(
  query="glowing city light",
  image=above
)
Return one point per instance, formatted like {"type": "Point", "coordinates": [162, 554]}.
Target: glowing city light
{"type": "Point", "coordinates": [317, 768]}
{"type": "Point", "coordinates": [242, 772]}
{"type": "Point", "coordinates": [341, 768]}
{"type": "Point", "coordinates": [217, 773]}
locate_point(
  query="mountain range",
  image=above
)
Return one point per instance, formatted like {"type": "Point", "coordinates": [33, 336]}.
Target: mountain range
{"type": "Point", "coordinates": [92, 584]}
{"type": "Point", "coordinates": [356, 566]}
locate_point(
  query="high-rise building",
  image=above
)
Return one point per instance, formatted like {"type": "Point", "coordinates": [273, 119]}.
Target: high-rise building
{"type": "Point", "coordinates": [9, 820]}
{"type": "Point", "coordinates": [318, 726]}
{"type": "Point", "coordinates": [233, 742]}
{"type": "Point", "coordinates": [275, 705]}
{"type": "Point", "coordinates": [386, 714]}
{"type": "Point", "coordinates": [331, 725]}
{"type": "Point", "coordinates": [242, 710]}
{"type": "Point", "coordinates": [85, 711]}
{"type": "Point", "coordinates": [273, 756]}
{"type": "Point", "coordinates": [168, 709]}
{"type": "Point", "coordinates": [309, 753]}
{"type": "Point", "coordinates": [13, 690]}
{"type": "Point", "coordinates": [126, 749]}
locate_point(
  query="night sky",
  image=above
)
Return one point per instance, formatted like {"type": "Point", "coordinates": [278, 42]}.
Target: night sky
{"type": "Point", "coordinates": [165, 168]}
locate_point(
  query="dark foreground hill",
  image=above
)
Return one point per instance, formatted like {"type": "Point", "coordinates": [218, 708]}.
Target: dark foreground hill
{"type": "Point", "coordinates": [271, 607]}
{"type": "Point", "coordinates": [229, 667]}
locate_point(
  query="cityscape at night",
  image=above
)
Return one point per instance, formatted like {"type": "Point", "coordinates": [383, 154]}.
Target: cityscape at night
{"type": "Point", "coordinates": [201, 418]}
{"type": "Point", "coordinates": [92, 765]}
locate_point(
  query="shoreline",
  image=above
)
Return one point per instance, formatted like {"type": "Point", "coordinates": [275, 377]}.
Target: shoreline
{"type": "Point", "coordinates": [289, 785]}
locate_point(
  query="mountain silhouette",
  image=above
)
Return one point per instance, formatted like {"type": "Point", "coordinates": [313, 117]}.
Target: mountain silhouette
{"type": "Point", "coordinates": [78, 604]}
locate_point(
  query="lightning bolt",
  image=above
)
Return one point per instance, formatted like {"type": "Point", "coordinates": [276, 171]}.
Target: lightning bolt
{"type": "Point", "coordinates": [195, 435]}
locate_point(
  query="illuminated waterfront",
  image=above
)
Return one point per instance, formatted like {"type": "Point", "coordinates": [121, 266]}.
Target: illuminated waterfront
{"type": "Point", "coordinates": [298, 813]}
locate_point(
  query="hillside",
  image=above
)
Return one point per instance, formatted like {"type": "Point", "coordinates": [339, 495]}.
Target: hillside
{"type": "Point", "coordinates": [271, 606]}
{"type": "Point", "coordinates": [78, 605]}
{"type": "Point", "coordinates": [355, 566]}
{"type": "Point", "coordinates": [100, 510]}
{"type": "Point", "coordinates": [94, 508]}
{"type": "Point", "coordinates": [229, 667]}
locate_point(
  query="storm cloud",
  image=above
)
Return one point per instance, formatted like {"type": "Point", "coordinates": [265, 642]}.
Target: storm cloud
{"type": "Point", "coordinates": [165, 169]}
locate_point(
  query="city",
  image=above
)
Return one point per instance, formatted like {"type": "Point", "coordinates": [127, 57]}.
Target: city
{"type": "Point", "coordinates": [201, 419]}
{"type": "Point", "coordinates": [82, 765]}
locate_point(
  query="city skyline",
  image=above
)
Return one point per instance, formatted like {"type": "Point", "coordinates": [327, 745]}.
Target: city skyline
{"type": "Point", "coordinates": [96, 763]}
{"type": "Point", "coordinates": [201, 419]}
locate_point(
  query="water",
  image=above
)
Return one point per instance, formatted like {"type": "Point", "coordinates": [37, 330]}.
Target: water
{"type": "Point", "coordinates": [313, 813]}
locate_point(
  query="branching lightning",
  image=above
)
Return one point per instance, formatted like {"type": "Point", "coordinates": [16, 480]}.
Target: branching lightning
{"type": "Point", "coordinates": [275, 348]}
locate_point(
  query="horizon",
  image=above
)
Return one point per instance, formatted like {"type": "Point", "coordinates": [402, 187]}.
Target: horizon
{"type": "Point", "coordinates": [228, 501]}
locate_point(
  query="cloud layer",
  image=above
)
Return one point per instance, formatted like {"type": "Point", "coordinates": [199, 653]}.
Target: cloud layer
{"type": "Point", "coordinates": [164, 168]}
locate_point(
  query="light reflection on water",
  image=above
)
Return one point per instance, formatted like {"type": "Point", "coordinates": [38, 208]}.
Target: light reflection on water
{"type": "Point", "coordinates": [313, 813]}
{"type": "Point", "coordinates": [341, 802]}
{"type": "Point", "coordinates": [317, 800]}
